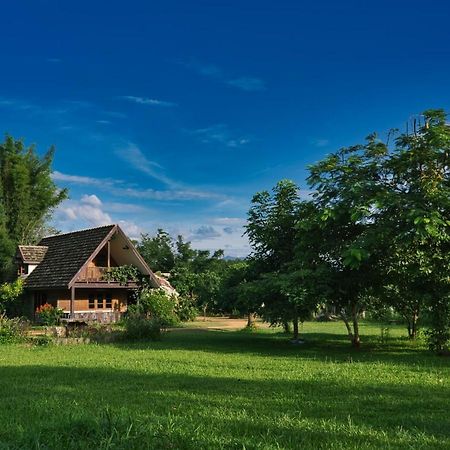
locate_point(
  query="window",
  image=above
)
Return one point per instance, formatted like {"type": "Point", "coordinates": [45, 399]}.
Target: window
{"type": "Point", "coordinates": [99, 301]}
{"type": "Point", "coordinates": [108, 304]}
{"type": "Point", "coordinates": [91, 301]}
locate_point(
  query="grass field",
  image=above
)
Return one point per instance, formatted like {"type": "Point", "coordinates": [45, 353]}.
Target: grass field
{"type": "Point", "coordinates": [226, 389]}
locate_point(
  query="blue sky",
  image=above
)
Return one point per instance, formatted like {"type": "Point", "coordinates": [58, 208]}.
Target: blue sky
{"type": "Point", "coordinates": [173, 114]}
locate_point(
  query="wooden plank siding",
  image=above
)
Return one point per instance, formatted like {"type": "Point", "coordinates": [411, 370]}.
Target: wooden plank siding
{"type": "Point", "coordinates": [81, 301]}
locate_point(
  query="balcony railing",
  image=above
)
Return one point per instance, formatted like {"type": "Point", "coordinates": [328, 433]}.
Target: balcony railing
{"type": "Point", "coordinates": [98, 275]}
{"type": "Point", "coordinates": [93, 275]}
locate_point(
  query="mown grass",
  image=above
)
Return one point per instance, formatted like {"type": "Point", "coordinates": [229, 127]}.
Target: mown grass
{"type": "Point", "coordinates": [213, 390]}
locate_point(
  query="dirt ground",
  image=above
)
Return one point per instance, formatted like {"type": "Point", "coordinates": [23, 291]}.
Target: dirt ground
{"type": "Point", "coordinates": [220, 323]}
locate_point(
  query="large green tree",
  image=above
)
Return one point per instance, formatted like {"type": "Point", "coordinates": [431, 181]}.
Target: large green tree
{"type": "Point", "coordinates": [272, 231]}
{"type": "Point", "coordinates": [28, 195]}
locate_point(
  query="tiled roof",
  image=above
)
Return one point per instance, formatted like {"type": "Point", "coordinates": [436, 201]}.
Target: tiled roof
{"type": "Point", "coordinates": [32, 253]}
{"type": "Point", "coordinates": [65, 256]}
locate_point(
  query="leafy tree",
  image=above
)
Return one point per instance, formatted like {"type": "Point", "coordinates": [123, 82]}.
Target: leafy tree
{"type": "Point", "coordinates": [415, 220]}
{"type": "Point", "coordinates": [272, 230]}
{"type": "Point", "coordinates": [240, 290]}
{"type": "Point", "coordinates": [10, 294]}
{"type": "Point", "coordinates": [27, 195]}
{"type": "Point", "coordinates": [347, 184]}
{"type": "Point", "coordinates": [158, 251]}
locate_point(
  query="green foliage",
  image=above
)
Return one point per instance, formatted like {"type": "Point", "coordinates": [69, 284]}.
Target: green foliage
{"type": "Point", "coordinates": [158, 251]}
{"type": "Point", "coordinates": [375, 234]}
{"type": "Point", "coordinates": [139, 327]}
{"type": "Point", "coordinates": [122, 274]}
{"type": "Point", "coordinates": [27, 196]}
{"type": "Point", "coordinates": [49, 315]}
{"type": "Point", "coordinates": [12, 330]}
{"type": "Point", "coordinates": [157, 305]}
{"type": "Point", "coordinates": [277, 275]}
{"type": "Point", "coordinates": [185, 309]}
{"type": "Point", "coordinates": [195, 274]}
{"type": "Point", "coordinates": [10, 293]}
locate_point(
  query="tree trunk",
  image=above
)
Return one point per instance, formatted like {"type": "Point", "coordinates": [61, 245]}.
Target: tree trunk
{"type": "Point", "coordinates": [356, 339]}
{"type": "Point", "coordinates": [286, 327]}
{"type": "Point", "coordinates": [412, 325]}
{"type": "Point", "coordinates": [205, 307]}
{"type": "Point", "coordinates": [250, 319]}
{"type": "Point", "coordinates": [353, 328]}
{"type": "Point", "coordinates": [295, 323]}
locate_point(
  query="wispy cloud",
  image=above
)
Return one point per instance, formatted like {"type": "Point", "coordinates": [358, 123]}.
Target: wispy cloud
{"type": "Point", "coordinates": [220, 133]}
{"type": "Point", "coordinates": [244, 83]}
{"type": "Point", "coordinates": [147, 101]}
{"type": "Point", "coordinates": [54, 60]}
{"type": "Point", "coordinates": [83, 180]}
{"type": "Point", "coordinates": [248, 83]}
{"type": "Point", "coordinates": [119, 189]}
{"type": "Point", "coordinates": [133, 155]}
{"type": "Point", "coordinates": [320, 142]}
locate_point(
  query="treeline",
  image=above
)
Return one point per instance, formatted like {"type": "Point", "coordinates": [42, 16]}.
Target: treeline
{"type": "Point", "coordinates": [372, 235]}
{"type": "Point", "coordinates": [27, 197]}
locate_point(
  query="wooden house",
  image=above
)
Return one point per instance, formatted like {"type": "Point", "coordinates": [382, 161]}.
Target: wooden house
{"type": "Point", "coordinates": [68, 272]}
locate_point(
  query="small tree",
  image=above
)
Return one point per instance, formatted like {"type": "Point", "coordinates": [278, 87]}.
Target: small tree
{"type": "Point", "coordinates": [10, 293]}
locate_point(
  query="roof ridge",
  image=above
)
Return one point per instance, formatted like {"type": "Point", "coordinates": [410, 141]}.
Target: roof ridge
{"type": "Point", "coordinates": [25, 245]}
{"type": "Point", "coordinates": [77, 231]}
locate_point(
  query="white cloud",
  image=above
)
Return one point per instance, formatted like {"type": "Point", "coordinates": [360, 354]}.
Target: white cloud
{"type": "Point", "coordinates": [235, 221]}
{"type": "Point", "coordinates": [132, 230]}
{"type": "Point", "coordinates": [220, 133]}
{"type": "Point", "coordinates": [89, 211]}
{"type": "Point", "coordinates": [147, 101]}
{"type": "Point", "coordinates": [133, 155]}
{"type": "Point", "coordinates": [92, 200]}
{"type": "Point", "coordinates": [86, 212]}
{"type": "Point", "coordinates": [119, 189]}
{"type": "Point", "coordinates": [80, 179]}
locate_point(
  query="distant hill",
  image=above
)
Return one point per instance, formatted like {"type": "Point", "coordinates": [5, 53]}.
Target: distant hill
{"type": "Point", "coordinates": [233, 258]}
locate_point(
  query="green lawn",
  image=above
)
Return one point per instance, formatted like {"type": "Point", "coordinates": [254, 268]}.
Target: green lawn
{"type": "Point", "coordinates": [217, 389]}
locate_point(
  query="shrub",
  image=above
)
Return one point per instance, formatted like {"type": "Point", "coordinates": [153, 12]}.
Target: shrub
{"type": "Point", "coordinates": [12, 330]}
{"type": "Point", "coordinates": [156, 304]}
{"type": "Point", "coordinates": [185, 309]}
{"type": "Point", "coordinates": [49, 315]}
{"type": "Point", "coordinates": [139, 327]}
{"type": "Point", "coordinates": [10, 293]}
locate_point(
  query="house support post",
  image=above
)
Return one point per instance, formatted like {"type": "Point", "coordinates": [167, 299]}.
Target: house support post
{"type": "Point", "coordinates": [72, 302]}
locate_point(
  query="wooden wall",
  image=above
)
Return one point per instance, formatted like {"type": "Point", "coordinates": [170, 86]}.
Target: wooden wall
{"type": "Point", "coordinates": [119, 299]}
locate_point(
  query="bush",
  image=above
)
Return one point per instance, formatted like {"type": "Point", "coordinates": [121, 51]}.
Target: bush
{"type": "Point", "coordinates": [156, 304]}
{"type": "Point", "coordinates": [12, 330]}
{"type": "Point", "coordinates": [139, 327]}
{"type": "Point", "coordinates": [185, 309]}
{"type": "Point", "coordinates": [10, 294]}
{"type": "Point", "coordinates": [49, 315]}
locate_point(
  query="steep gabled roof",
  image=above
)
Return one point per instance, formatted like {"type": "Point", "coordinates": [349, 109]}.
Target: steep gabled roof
{"type": "Point", "coordinates": [65, 256]}
{"type": "Point", "coordinates": [32, 254]}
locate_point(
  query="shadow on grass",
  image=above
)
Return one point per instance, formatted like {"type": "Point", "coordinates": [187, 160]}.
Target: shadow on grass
{"type": "Point", "coordinates": [70, 407]}
{"type": "Point", "coordinates": [317, 346]}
